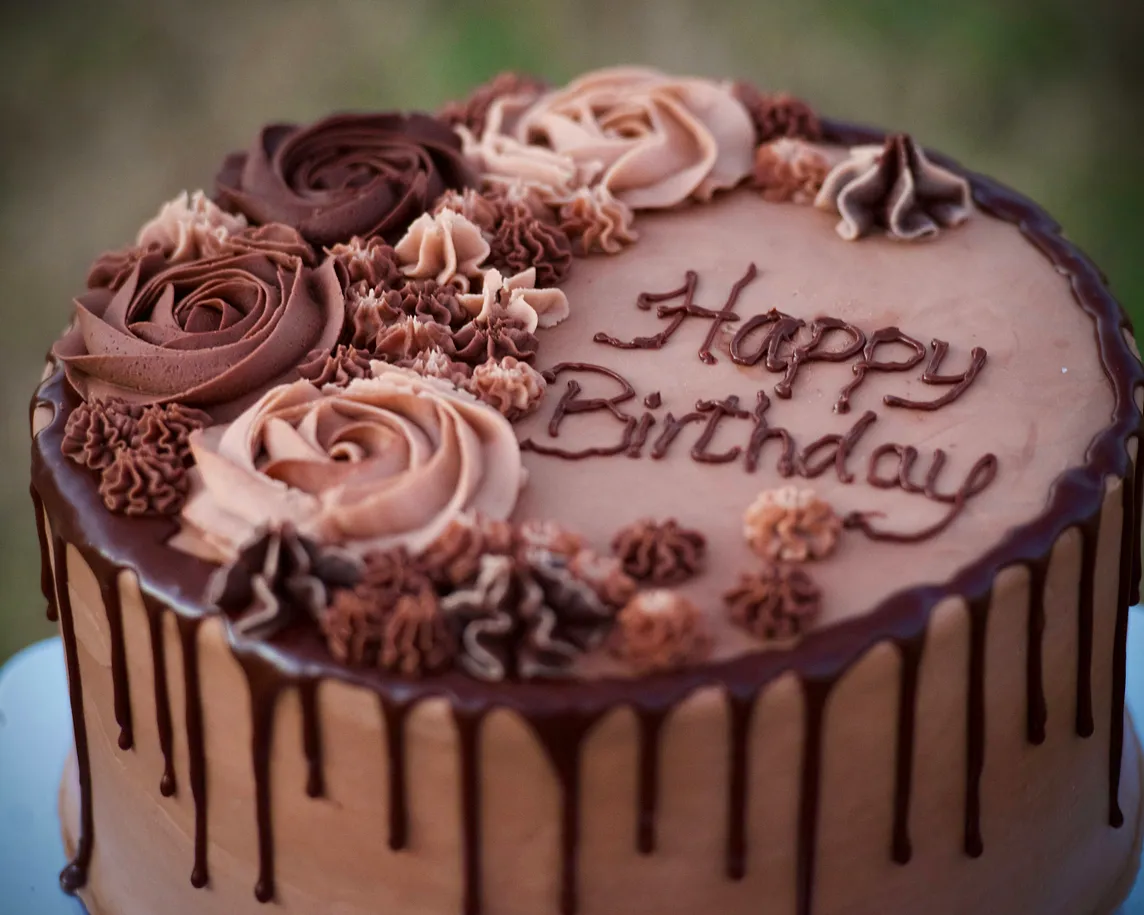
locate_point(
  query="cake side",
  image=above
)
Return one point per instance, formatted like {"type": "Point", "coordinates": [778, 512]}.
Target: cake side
{"type": "Point", "coordinates": [876, 655]}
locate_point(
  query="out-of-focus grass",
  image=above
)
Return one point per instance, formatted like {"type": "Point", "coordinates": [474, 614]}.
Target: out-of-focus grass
{"type": "Point", "coordinates": [108, 109]}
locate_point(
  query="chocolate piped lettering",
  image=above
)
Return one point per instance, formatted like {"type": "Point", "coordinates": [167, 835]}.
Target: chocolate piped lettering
{"type": "Point", "coordinates": [886, 336]}
{"type": "Point", "coordinates": [930, 376]}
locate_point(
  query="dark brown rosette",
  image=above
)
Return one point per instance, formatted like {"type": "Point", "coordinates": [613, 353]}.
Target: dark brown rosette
{"type": "Point", "coordinates": [390, 619]}
{"type": "Point", "coordinates": [143, 482]}
{"type": "Point", "coordinates": [166, 429]}
{"type": "Point", "coordinates": [213, 333]}
{"type": "Point", "coordinates": [525, 616]}
{"type": "Point", "coordinates": [96, 431]}
{"type": "Point", "coordinates": [370, 262]}
{"type": "Point", "coordinates": [778, 114]}
{"type": "Point", "coordinates": [472, 111]}
{"type": "Point", "coordinates": [339, 367]}
{"type": "Point", "coordinates": [280, 578]}
{"type": "Point", "coordinates": [521, 241]}
{"type": "Point", "coordinates": [430, 301]}
{"type": "Point", "coordinates": [777, 602]}
{"type": "Point", "coordinates": [346, 175]}
{"type": "Point", "coordinates": [477, 343]}
{"type": "Point", "coordinates": [659, 553]}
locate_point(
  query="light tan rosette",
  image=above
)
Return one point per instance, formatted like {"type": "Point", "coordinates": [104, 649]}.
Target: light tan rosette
{"type": "Point", "coordinates": [444, 247]}
{"type": "Point", "coordinates": [189, 227]}
{"type": "Point", "coordinates": [653, 139]}
{"type": "Point", "coordinates": [518, 298]}
{"type": "Point", "coordinates": [383, 462]}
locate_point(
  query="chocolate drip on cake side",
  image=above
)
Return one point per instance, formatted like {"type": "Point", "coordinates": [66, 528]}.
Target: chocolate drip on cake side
{"type": "Point", "coordinates": [910, 655]}
{"type": "Point", "coordinates": [188, 627]}
{"type": "Point", "coordinates": [173, 583]}
{"type": "Point", "coordinates": [312, 737]}
{"type": "Point", "coordinates": [121, 698]}
{"type": "Point", "coordinates": [47, 586]}
{"type": "Point", "coordinates": [1036, 709]}
{"type": "Point", "coordinates": [1089, 530]}
{"type": "Point", "coordinates": [395, 715]}
{"type": "Point", "coordinates": [978, 609]}
{"type": "Point", "coordinates": [650, 722]}
{"type": "Point", "coordinates": [562, 737]}
{"type": "Point", "coordinates": [74, 876]}
{"type": "Point", "coordinates": [168, 784]}
{"type": "Point", "coordinates": [264, 683]}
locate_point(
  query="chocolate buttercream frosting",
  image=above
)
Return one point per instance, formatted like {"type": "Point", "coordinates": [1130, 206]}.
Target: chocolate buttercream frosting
{"type": "Point", "coordinates": [660, 630]}
{"type": "Point", "coordinates": [386, 461]}
{"type": "Point", "coordinates": [96, 431]}
{"type": "Point", "coordinates": [522, 241]}
{"type": "Point", "coordinates": [895, 187]}
{"type": "Point", "coordinates": [472, 112]}
{"type": "Point", "coordinates": [660, 552]}
{"type": "Point", "coordinates": [280, 578]}
{"type": "Point", "coordinates": [213, 333]}
{"type": "Point", "coordinates": [340, 367]}
{"type": "Point", "coordinates": [371, 262]}
{"type": "Point", "coordinates": [346, 175]}
{"type": "Point", "coordinates": [791, 524]}
{"type": "Point", "coordinates": [143, 481]}
{"type": "Point", "coordinates": [778, 602]}
{"type": "Point", "coordinates": [778, 114]}
{"type": "Point", "coordinates": [511, 387]}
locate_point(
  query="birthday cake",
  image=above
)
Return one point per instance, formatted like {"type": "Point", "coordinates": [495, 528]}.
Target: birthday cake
{"type": "Point", "coordinates": [641, 495]}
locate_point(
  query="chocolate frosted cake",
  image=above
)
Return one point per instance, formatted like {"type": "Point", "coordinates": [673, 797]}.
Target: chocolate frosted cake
{"type": "Point", "coordinates": [641, 495]}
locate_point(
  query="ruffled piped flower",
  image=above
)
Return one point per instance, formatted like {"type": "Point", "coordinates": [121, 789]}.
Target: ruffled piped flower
{"type": "Point", "coordinates": [142, 482]}
{"type": "Point", "coordinates": [894, 187]}
{"type": "Point", "coordinates": [789, 170]}
{"type": "Point", "coordinates": [791, 524]}
{"type": "Point", "coordinates": [445, 248]}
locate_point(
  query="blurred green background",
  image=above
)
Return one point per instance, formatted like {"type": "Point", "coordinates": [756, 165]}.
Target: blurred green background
{"type": "Point", "coordinates": [108, 109]}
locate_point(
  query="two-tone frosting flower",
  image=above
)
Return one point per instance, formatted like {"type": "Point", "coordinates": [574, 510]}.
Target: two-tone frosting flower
{"type": "Point", "coordinates": [213, 333]}
{"type": "Point", "coordinates": [651, 139]}
{"type": "Point", "coordinates": [346, 175]}
{"type": "Point", "coordinates": [382, 462]}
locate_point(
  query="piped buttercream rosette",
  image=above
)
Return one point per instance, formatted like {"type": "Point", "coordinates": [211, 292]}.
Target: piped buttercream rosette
{"type": "Point", "coordinates": [383, 462]}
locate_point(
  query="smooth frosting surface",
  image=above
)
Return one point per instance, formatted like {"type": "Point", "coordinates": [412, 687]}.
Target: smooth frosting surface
{"type": "Point", "coordinates": [1036, 403]}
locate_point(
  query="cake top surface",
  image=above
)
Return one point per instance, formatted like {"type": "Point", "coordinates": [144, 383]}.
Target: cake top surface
{"type": "Point", "coordinates": [625, 377]}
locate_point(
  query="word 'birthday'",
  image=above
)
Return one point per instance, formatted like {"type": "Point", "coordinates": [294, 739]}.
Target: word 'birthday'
{"type": "Point", "coordinates": [783, 343]}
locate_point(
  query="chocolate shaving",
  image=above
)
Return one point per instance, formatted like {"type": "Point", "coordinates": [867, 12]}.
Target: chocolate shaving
{"type": "Point", "coordinates": [522, 241]}
{"type": "Point", "coordinates": [660, 630]}
{"type": "Point", "coordinates": [778, 114]}
{"type": "Point", "coordinates": [340, 367]}
{"type": "Point", "coordinates": [95, 431]}
{"type": "Point", "coordinates": [280, 578]}
{"type": "Point", "coordinates": [143, 482]}
{"type": "Point", "coordinates": [501, 337]}
{"type": "Point", "coordinates": [472, 111]}
{"type": "Point", "coordinates": [777, 602]}
{"type": "Point", "coordinates": [659, 553]}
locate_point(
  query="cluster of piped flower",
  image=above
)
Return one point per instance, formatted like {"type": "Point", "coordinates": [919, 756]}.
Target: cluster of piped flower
{"type": "Point", "coordinates": [787, 528]}
{"type": "Point", "coordinates": [327, 353]}
{"type": "Point", "coordinates": [892, 186]}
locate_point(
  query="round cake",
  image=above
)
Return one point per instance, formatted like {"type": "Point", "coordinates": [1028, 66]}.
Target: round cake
{"type": "Point", "coordinates": [641, 495]}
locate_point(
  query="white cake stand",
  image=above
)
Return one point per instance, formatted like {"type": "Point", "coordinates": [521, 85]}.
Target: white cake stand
{"type": "Point", "coordinates": [35, 738]}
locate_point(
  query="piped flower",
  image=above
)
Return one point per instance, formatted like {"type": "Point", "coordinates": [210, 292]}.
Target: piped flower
{"type": "Point", "coordinates": [445, 247]}
{"type": "Point", "coordinates": [660, 630]}
{"type": "Point", "coordinates": [894, 187]}
{"type": "Point", "coordinates": [518, 298]}
{"type": "Point", "coordinates": [791, 524]}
